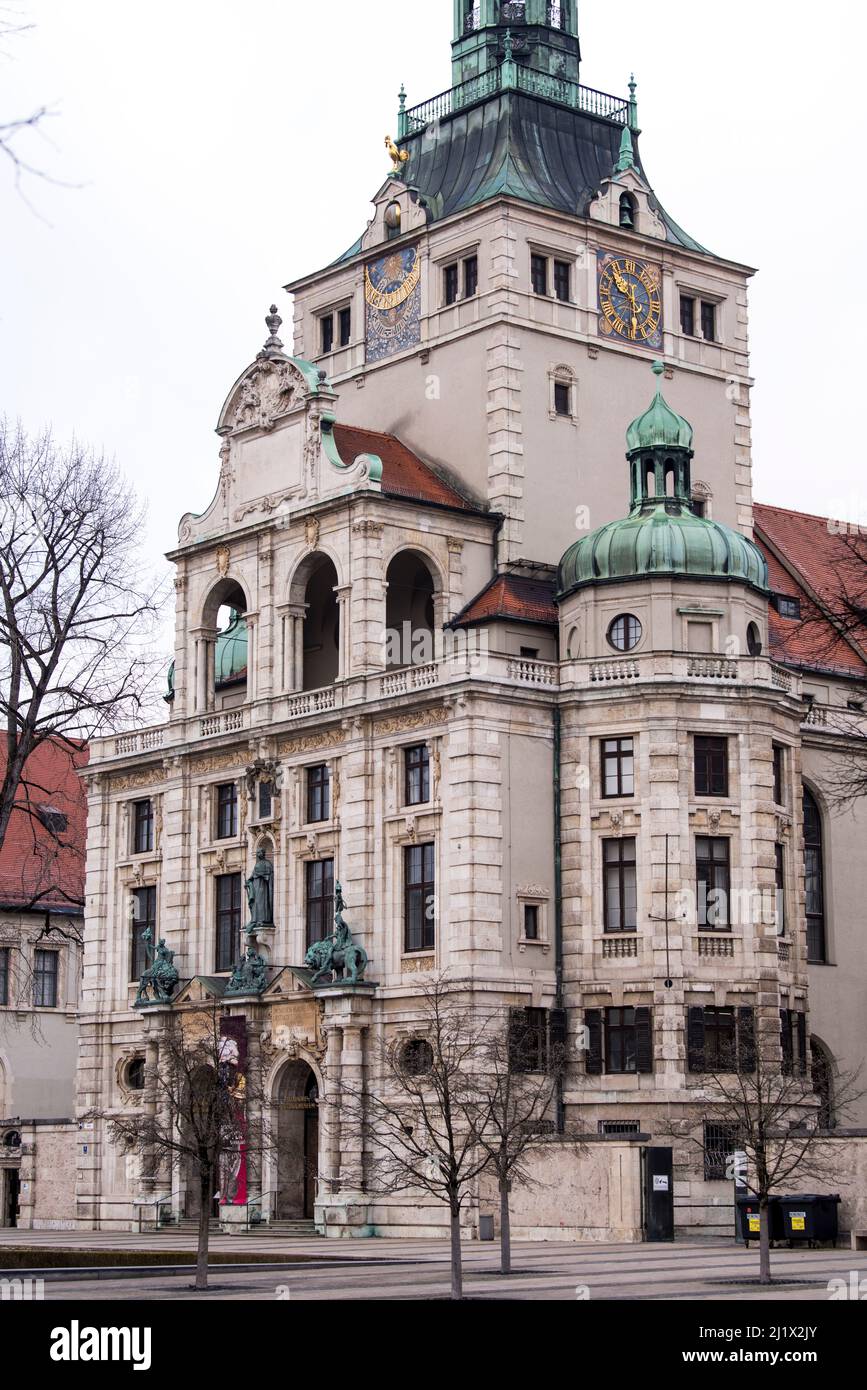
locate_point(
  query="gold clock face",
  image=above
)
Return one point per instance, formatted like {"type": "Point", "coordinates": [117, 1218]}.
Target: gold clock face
{"type": "Point", "coordinates": [630, 300]}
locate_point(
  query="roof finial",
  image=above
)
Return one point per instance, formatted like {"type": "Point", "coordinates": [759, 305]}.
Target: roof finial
{"type": "Point", "coordinates": [402, 95]}
{"type": "Point", "coordinates": [273, 345]}
{"type": "Point", "coordinates": [633, 104]}
{"type": "Point", "coordinates": [507, 46]}
{"type": "Point", "coordinates": [658, 368]}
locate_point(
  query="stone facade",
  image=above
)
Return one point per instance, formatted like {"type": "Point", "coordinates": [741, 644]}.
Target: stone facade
{"type": "Point", "coordinates": [331, 541]}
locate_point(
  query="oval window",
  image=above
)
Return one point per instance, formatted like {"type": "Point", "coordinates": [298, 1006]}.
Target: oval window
{"type": "Point", "coordinates": [135, 1074]}
{"type": "Point", "coordinates": [754, 640]}
{"type": "Point", "coordinates": [625, 633]}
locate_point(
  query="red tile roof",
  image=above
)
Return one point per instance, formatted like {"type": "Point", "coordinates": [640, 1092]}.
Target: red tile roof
{"type": "Point", "coordinates": [511, 596]}
{"type": "Point", "coordinates": [404, 474]}
{"type": "Point", "coordinates": [809, 560]}
{"type": "Point", "coordinates": [40, 867]}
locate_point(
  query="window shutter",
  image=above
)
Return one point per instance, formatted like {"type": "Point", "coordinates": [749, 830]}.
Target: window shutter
{"type": "Point", "coordinates": [786, 1041]}
{"type": "Point", "coordinates": [644, 1040]}
{"type": "Point", "coordinates": [746, 1040]}
{"type": "Point", "coordinates": [695, 1039]}
{"type": "Point", "coordinates": [593, 1021]}
{"type": "Point", "coordinates": [557, 1040]}
{"type": "Point", "coordinates": [518, 1040]}
{"type": "Point", "coordinates": [802, 1044]}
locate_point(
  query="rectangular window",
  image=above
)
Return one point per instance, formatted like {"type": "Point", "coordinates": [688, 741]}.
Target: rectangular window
{"type": "Point", "coordinates": [779, 775]}
{"type": "Point", "coordinates": [711, 766]}
{"type": "Point", "coordinates": [687, 315]}
{"type": "Point", "coordinates": [619, 885]}
{"type": "Point", "coordinates": [45, 965]}
{"type": "Point", "coordinates": [618, 767]}
{"type": "Point", "coordinates": [708, 322]}
{"type": "Point", "coordinates": [318, 793]}
{"type": "Point", "coordinates": [417, 775]}
{"type": "Point", "coordinates": [144, 917]}
{"type": "Point", "coordinates": [713, 882]}
{"type": "Point", "coordinates": [563, 281]}
{"type": "Point", "coordinates": [265, 800]}
{"type": "Point", "coordinates": [450, 284]}
{"type": "Point", "coordinates": [780, 881]}
{"type": "Point", "coordinates": [143, 827]}
{"type": "Point", "coordinates": [611, 1128]}
{"type": "Point", "coordinates": [419, 929]}
{"type": "Point", "coordinates": [326, 329]}
{"type": "Point", "coordinates": [720, 1144]}
{"type": "Point", "coordinates": [562, 398]}
{"type": "Point", "coordinates": [537, 1039]}
{"type": "Point", "coordinates": [5, 956]}
{"type": "Point", "coordinates": [787, 1041]}
{"type": "Point", "coordinates": [344, 326]}
{"type": "Point", "coordinates": [319, 899]}
{"type": "Point", "coordinates": [531, 922]}
{"type": "Point", "coordinates": [721, 1039]}
{"type": "Point", "coordinates": [471, 276]}
{"type": "Point", "coordinates": [227, 811]}
{"type": "Point", "coordinates": [620, 1041]}
{"type": "Point", "coordinates": [228, 951]}
{"type": "Point", "coordinates": [539, 274]}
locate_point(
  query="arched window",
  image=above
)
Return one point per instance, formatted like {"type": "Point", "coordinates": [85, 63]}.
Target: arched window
{"type": "Point", "coordinates": [410, 612]}
{"type": "Point", "coordinates": [814, 869]}
{"type": "Point", "coordinates": [321, 628]}
{"type": "Point", "coordinates": [628, 212]}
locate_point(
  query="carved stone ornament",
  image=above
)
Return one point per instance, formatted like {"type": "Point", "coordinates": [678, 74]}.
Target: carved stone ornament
{"type": "Point", "coordinates": [713, 820]}
{"type": "Point", "coordinates": [311, 531]}
{"type": "Point", "coordinates": [411, 827]}
{"type": "Point", "coordinates": [312, 743]}
{"type": "Point", "coordinates": [417, 720]}
{"type": "Point", "coordinates": [784, 826]}
{"type": "Point", "coordinates": [223, 557]}
{"type": "Point", "coordinates": [269, 390]}
{"type": "Point", "coordinates": [616, 819]}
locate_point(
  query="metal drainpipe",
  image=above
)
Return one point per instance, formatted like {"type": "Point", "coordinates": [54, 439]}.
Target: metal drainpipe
{"type": "Point", "coordinates": [558, 906]}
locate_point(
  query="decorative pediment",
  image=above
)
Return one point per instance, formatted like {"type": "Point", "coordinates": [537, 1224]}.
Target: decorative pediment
{"type": "Point", "coordinates": [398, 211]}
{"type": "Point", "coordinates": [202, 989]}
{"type": "Point", "coordinates": [606, 204]}
{"type": "Point", "coordinates": [270, 388]}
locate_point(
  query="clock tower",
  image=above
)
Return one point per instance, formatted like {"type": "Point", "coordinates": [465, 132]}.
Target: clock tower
{"type": "Point", "coordinates": [543, 35]}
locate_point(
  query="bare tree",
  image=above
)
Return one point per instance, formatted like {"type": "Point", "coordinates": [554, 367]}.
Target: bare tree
{"type": "Point", "coordinates": [77, 613]}
{"type": "Point", "coordinates": [11, 131]}
{"type": "Point", "coordinates": [517, 1082]}
{"type": "Point", "coordinates": [424, 1124]}
{"type": "Point", "coordinates": [774, 1121]}
{"type": "Point", "coordinates": [194, 1112]}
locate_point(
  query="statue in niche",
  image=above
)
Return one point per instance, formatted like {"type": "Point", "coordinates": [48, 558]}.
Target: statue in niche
{"type": "Point", "coordinates": [260, 893]}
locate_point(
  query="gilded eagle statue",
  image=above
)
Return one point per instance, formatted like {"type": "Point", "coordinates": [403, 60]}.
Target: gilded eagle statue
{"type": "Point", "coordinates": [398, 157]}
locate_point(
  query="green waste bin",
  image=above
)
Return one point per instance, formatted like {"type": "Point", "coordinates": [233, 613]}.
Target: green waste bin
{"type": "Point", "coordinates": [810, 1220]}
{"type": "Point", "coordinates": [749, 1217]}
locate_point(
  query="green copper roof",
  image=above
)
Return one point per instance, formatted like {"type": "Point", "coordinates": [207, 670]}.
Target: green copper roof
{"type": "Point", "coordinates": [660, 427]}
{"type": "Point", "coordinates": [659, 542]}
{"type": "Point", "coordinates": [230, 662]}
{"type": "Point", "coordinates": [662, 535]}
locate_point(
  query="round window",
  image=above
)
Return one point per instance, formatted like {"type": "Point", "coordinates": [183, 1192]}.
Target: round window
{"type": "Point", "coordinates": [12, 1139]}
{"type": "Point", "coordinates": [754, 640]}
{"type": "Point", "coordinates": [135, 1074]}
{"type": "Point", "coordinates": [625, 633]}
{"type": "Point", "coordinates": [416, 1057]}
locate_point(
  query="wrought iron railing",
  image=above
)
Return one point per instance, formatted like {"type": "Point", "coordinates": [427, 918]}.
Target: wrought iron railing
{"type": "Point", "coordinates": [513, 12]}
{"type": "Point", "coordinates": [557, 89]}
{"type": "Point", "coordinates": [473, 19]}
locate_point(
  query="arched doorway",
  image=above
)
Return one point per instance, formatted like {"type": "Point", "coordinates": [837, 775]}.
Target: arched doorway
{"type": "Point", "coordinates": [410, 612]}
{"type": "Point", "coordinates": [297, 1143]}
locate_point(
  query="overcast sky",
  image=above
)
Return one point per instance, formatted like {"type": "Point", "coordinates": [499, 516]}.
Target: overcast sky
{"type": "Point", "coordinates": [219, 150]}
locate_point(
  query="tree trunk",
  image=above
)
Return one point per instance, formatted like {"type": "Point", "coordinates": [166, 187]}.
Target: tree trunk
{"type": "Point", "coordinates": [457, 1269]}
{"type": "Point", "coordinates": [206, 1185]}
{"type": "Point", "coordinates": [764, 1240]}
{"type": "Point", "coordinates": [505, 1229]}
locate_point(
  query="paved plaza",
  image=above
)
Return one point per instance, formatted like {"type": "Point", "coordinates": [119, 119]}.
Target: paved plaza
{"type": "Point", "coordinates": [308, 1269]}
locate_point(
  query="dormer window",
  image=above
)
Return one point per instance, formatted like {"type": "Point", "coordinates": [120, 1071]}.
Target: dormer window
{"type": "Point", "coordinates": [628, 212]}
{"type": "Point", "coordinates": [787, 607]}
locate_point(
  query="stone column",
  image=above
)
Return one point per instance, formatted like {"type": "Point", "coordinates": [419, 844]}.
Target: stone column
{"type": "Point", "coordinates": [329, 1164]}
{"type": "Point", "coordinates": [206, 647]}
{"type": "Point", "coordinates": [252, 621]}
{"type": "Point", "coordinates": [257, 1128]}
{"type": "Point", "coordinates": [149, 1104]}
{"type": "Point", "coordinates": [342, 1208]}
{"type": "Point", "coordinates": [343, 593]}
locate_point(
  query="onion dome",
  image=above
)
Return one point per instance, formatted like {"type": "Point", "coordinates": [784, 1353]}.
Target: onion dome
{"type": "Point", "coordinates": [662, 534]}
